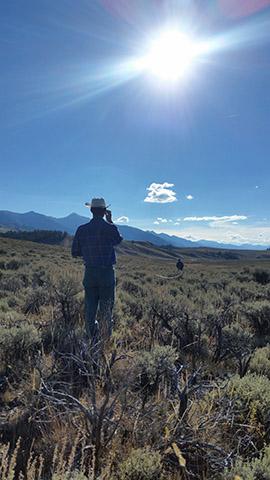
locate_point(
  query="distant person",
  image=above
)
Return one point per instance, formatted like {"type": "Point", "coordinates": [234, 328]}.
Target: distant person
{"type": "Point", "coordinates": [180, 264]}
{"type": "Point", "coordinates": [95, 242]}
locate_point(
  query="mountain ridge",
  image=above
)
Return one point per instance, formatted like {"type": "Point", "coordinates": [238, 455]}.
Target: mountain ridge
{"type": "Point", "coordinates": [37, 221]}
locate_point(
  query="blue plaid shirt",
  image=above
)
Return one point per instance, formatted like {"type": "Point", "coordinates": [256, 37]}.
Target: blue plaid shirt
{"type": "Point", "coordinates": [94, 241]}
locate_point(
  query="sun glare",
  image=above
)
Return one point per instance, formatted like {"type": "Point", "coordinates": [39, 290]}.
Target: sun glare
{"type": "Point", "coordinates": [170, 55]}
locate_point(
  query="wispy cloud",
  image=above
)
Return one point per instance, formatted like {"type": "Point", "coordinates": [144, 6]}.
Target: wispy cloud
{"type": "Point", "coordinates": [234, 234]}
{"type": "Point", "coordinates": [161, 193]}
{"type": "Point", "coordinates": [216, 220]}
{"type": "Point", "coordinates": [189, 197]}
{"type": "Point", "coordinates": [163, 220]}
{"type": "Point", "coordinates": [122, 219]}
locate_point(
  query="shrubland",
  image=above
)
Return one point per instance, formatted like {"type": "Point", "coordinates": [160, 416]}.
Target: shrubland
{"type": "Point", "coordinates": [180, 391]}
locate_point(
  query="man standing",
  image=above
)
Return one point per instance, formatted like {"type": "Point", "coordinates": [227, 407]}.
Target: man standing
{"type": "Point", "coordinates": [95, 241]}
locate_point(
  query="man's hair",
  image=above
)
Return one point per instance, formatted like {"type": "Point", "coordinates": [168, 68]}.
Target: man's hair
{"type": "Point", "coordinates": [98, 211]}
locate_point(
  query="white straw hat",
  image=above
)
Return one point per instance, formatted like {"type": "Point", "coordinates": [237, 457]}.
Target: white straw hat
{"type": "Point", "coordinates": [96, 203]}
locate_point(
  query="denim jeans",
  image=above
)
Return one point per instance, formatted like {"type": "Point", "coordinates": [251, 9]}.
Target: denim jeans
{"type": "Point", "coordinates": [99, 286]}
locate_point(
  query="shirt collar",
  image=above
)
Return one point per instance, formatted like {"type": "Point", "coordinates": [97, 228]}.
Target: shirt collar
{"type": "Point", "coordinates": [96, 219]}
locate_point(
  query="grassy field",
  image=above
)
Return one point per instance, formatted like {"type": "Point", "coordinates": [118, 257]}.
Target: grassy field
{"type": "Point", "coordinates": [181, 390]}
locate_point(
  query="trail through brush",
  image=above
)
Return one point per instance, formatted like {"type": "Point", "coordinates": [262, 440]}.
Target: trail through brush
{"type": "Point", "coordinates": [178, 275]}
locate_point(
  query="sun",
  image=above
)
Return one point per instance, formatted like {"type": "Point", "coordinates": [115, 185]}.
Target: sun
{"type": "Point", "coordinates": [170, 55]}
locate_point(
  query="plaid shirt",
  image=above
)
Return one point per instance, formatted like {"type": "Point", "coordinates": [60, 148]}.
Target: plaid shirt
{"type": "Point", "coordinates": [94, 241]}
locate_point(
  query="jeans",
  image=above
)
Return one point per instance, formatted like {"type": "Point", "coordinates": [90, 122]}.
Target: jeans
{"type": "Point", "coordinates": [99, 286]}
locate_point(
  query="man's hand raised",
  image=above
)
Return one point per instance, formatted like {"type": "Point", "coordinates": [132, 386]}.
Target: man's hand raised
{"type": "Point", "coordinates": [108, 215]}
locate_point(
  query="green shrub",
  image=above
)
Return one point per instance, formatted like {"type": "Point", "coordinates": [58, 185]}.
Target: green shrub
{"type": "Point", "coordinates": [141, 464]}
{"type": "Point", "coordinates": [132, 306]}
{"type": "Point", "coordinates": [65, 297]}
{"type": "Point", "coordinates": [237, 340]}
{"type": "Point", "coordinates": [258, 312]}
{"type": "Point", "coordinates": [11, 283]}
{"type": "Point", "coordinates": [132, 288]}
{"type": "Point", "coordinates": [257, 469]}
{"type": "Point", "coordinates": [4, 306]}
{"type": "Point", "coordinates": [13, 265]}
{"type": "Point", "coordinates": [155, 366]}
{"type": "Point", "coordinates": [250, 397]}
{"type": "Point", "coordinates": [158, 362]}
{"type": "Point", "coordinates": [261, 276]}
{"type": "Point", "coordinates": [10, 318]}
{"type": "Point", "coordinates": [178, 315]}
{"type": "Point", "coordinates": [260, 362]}
{"type": "Point", "coordinates": [69, 476]}
{"type": "Point", "coordinates": [19, 343]}
{"type": "Point", "coordinates": [237, 343]}
{"type": "Point", "coordinates": [35, 299]}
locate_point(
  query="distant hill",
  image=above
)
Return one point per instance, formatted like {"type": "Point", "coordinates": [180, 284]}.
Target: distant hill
{"type": "Point", "coordinates": [183, 242]}
{"type": "Point", "coordinates": [69, 224]}
{"type": "Point", "coordinates": [28, 221]}
{"type": "Point", "coordinates": [176, 241]}
{"type": "Point", "coordinates": [50, 237]}
{"type": "Point", "coordinates": [36, 221]}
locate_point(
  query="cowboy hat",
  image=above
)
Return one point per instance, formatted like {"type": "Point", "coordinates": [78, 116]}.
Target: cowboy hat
{"type": "Point", "coordinates": [96, 203]}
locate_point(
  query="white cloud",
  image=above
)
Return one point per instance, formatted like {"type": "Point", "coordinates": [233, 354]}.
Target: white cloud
{"type": "Point", "coordinates": [162, 220]}
{"type": "Point", "coordinates": [176, 223]}
{"type": "Point", "coordinates": [122, 219]}
{"type": "Point", "coordinates": [189, 197]}
{"type": "Point", "coordinates": [237, 238]}
{"type": "Point", "coordinates": [161, 193]}
{"type": "Point", "coordinates": [215, 220]}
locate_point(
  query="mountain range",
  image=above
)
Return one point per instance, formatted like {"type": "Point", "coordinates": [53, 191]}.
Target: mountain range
{"type": "Point", "coordinates": [37, 221]}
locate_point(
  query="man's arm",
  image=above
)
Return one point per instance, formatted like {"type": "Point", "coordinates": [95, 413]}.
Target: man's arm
{"type": "Point", "coordinates": [76, 249]}
{"type": "Point", "coordinates": [115, 235]}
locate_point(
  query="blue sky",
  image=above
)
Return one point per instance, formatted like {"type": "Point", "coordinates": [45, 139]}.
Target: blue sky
{"type": "Point", "coordinates": [77, 122]}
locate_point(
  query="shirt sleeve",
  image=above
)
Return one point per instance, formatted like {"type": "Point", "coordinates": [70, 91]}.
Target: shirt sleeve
{"type": "Point", "coordinates": [76, 249]}
{"type": "Point", "coordinates": [115, 236]}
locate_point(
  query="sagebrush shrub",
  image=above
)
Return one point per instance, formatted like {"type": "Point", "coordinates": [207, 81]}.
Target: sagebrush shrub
{"type": "Point", "coordinates": [261, 276]}
{"type": "Point", "coordinates": [132, 306]}
{"type": "Point", "coordinates": [11, 283]}
{"type": "Point", "coordinates": [4, 306]}
{"type": "Point", "coordinates": [141, 464]}
{"type": "Point", "coordinates": [132, 288]}
{"type": "Point", "coordinates": [260, 362]}
{"type": "Point", "coordinates": [69, 476]}
{"type": "Point", "coordinates": [256, 469]}
{"type": "Point", "coordinates": [35, 299]}
{"type": "Point", "coordinates": [154, 366]}
{"type": "Point", "coordinates": [237, 341]}
{"type": "Point", "coordinates": [251, 402]}
{"type": "Point", "coordinates": [13, 265]}
{"type": "Point", "coordinates": [19, 343]}
{"type": "Point", "coordinates": [258, 312]}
